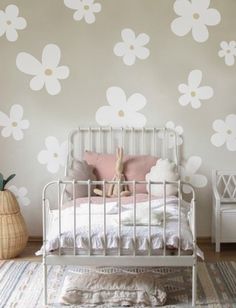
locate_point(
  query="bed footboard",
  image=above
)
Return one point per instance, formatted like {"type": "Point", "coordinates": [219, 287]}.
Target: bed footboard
{"type": "Point", "coordinates": [120, 259]}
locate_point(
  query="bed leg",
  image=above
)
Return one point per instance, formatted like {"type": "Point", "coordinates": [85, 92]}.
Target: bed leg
{"type": "Point", "coordinates": [45, 286]}
{"type": "Point", "coordinates": [194, 284]}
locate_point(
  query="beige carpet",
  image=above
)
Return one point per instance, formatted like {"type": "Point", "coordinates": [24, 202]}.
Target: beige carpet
{"type": "Point", "coordinates": [21, 284]}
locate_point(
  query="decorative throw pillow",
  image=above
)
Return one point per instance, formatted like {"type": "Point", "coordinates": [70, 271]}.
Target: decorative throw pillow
{"type": "Point", "coordinates": [164, 170]}
{"type": "Point", "coordinates": [80, 171]}
{"type": "Point", "coordinates": [115, 289]}
{"type": "Point", "coordinates": [135, 167]}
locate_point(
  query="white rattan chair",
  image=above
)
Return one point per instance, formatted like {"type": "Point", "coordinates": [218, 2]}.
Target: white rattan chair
{"type": "Point", "coordinates": [224, 207]}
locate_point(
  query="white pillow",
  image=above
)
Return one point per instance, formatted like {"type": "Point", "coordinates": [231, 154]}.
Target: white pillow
{"type": "Point", "coordinates": [164, 170]}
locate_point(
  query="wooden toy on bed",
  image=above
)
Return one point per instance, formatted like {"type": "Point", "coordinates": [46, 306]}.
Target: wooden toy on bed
{"type": "Point", "coordinates": [113, 189]}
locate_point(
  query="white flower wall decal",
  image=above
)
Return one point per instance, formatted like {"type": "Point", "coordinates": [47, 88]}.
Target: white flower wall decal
{"type": "Point", "coordinates": [55, 154]}
{"type": "Point", "coordinates": [14, 124]}
{"type": "Point", "coordinates": [84, 9]}
{"type": "Point", "coordinates": [47, 73]}
{"type": "Point", "coordinates": [195, 16]}
{"type": "Point", "coordinates": [132, 47]}
{"type": "Point", "coordinates": [225, 132]}
{"type": "Point", "coordinates": [122, 112]}
{"type": "Point", "coordinates": [171, 136]}
{"type": "Point", "coordinates": [228, 52]}
{"type": "Point", "coordinates": [20, 194]}
{"type": "Point", "coordinates": [192, 93]}
{"type": "Point", "coordinates": [188, 173]}
{"type": "Point", "coordinates": [10, 22]}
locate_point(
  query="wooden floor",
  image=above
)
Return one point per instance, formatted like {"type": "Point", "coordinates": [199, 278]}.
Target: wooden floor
{"type": "Point", "coordinates": [228, 252]}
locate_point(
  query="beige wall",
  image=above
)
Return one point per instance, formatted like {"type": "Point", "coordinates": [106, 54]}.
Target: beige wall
{"type": "Point", "coordinates": [92, 67]}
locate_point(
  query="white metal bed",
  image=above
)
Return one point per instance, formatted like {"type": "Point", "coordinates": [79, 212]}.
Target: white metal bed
{"type": "Point", "coordinates": [153, 141]}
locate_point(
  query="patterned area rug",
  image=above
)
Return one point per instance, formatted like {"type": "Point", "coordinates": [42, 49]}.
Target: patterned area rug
{"type": "Point", "coordinates": [21, 284]}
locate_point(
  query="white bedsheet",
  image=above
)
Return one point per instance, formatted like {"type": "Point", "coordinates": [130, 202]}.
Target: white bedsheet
{"type": "Point", "coordinates": [112, 226]}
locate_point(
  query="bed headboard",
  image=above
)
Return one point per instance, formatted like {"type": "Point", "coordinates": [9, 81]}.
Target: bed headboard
{"type": "Point", "coordinates": [157, 141]}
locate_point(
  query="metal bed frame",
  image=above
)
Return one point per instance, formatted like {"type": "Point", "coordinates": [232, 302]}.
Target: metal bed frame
{"type": "Point", "coordinates": [135, 141]}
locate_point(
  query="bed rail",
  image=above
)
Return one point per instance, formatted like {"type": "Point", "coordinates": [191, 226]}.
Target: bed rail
{"type": "Point", "coordinates": [90, 184]}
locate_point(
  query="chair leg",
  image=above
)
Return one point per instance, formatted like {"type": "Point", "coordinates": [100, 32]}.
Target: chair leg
{"type": "Point", "coordinates": [194, 284]}
{"type": "Point", "coordinates": [217, 232]}
{"type": "Point", "coordinates": [45, 284]}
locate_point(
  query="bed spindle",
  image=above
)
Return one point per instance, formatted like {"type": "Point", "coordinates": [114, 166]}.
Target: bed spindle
{"type": "Point", "coordinates": [59, 211]}
{"type": "Point", "coordinates": [179, 218]}
{"type": "Point", "coordinates": [104, 217]}
{"type": "Point", "coordinates": [164, 218]}
{"type": "Point", "coordinates": [149, 217]}
{"type": "Point", "coordinates": [111, 139]}
{"type": "Point", "coordinates": [89, 203]}
{"type": "Point", "coordinates": [74, 204]}
{"type": "Point", "coordinates": [134, 218]}
{"type": "Point", "coordinates": [119, 214]}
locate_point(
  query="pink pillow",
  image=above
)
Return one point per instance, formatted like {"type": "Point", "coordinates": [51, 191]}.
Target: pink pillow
{"type": "Point", "coordinates": [135, 167]}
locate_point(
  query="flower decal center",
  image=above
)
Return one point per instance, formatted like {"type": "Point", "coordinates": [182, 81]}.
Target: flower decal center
{"type": "Point", "coordinates": [48, 72]}
{"type": "Point", "coordinates": [196, 16]}
{"type": "Point", "coordinates": [121, 113]}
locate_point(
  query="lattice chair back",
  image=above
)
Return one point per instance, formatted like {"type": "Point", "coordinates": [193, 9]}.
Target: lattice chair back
{"type": "Point", "coordinates": [225, 184]}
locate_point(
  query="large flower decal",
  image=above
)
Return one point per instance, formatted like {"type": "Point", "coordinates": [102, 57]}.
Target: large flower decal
{"type": "Point", "coordinates": [228, 52]}
{"type": "Point", "coordinates": [10, 22]}
{"type": "Point", "coordinates": [84, 9]}
{"type": "Point", "coordinates": [188, 174]}
{"type": "Point", "coordinates": [46, 73]}
{"type": "Point", "coordinates": [195, 16]}
{"type": "Point", "coordinates": [225, 132]}
{"type": "Point", "coordinates": [55, 154]}
{"type": "Point", "coordinates": [20, 194]}
{"type": "Point", "coordinates": [122, 112]}
{"type": "Point", "coordinates": [192, 93]}
{"type": "Point", "coordinates": [14, 124]}
{"type": "Point", "coordinates": [172, 137]}
{"type": "Point", "coordinates": [132, 46]}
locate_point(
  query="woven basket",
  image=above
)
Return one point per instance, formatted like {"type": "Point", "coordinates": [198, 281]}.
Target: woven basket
{"type": "Point", "coordinates": [13, 232]}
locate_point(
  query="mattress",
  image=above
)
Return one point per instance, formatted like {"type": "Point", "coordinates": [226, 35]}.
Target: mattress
{"type": "Point", "coordinates": [112, 237]}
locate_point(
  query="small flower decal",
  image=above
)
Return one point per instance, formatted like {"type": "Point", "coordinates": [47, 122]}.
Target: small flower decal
{"type": "Point", "coordinates": [195, 16]}
{"type": "Point", "coordinates": [46, 73]}
{"type": "Point", "coordinates": [171, 136]}
{"type": "Point", "coordinates": [10, 22]}
{"type": "Point", "coordinates": [228, 52]}
{"type": "Point", "coordinates": [225, 132]}
{"type": "Point", "coordinates": [20, 194]}
{"type": "Point", "coordinates": [13, 124]}
{"type": "Point", "coordinates": [188, 173]}
{"type": "Point", "coordinates": [122, 111]}
{"type": "Point", "coordinates": [84, 9]}
{"type": "Point", "coordinates": [55, 154]}
{"type": "Point", "coordinates": [192, 93]}
{"type": "Point", "coordinates": [132, 47]}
